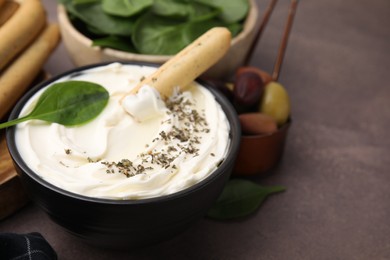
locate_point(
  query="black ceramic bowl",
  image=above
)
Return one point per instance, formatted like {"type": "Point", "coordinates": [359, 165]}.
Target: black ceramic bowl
{"type": "Point", "coordinates": [125, 223]}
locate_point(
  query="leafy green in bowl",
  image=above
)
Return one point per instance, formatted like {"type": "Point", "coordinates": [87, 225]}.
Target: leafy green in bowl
{"type": "Point", "coordinates": [155, 27]}
{"type": "Point", "coordinates": [96, 31]}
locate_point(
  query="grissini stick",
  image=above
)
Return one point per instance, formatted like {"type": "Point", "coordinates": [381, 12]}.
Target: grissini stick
{"type": "Point", "coordinates": [7, 10]}
{"type": "Point", "coordinates": [20, 30]}
{"type": "Point", "coordinates": [22, 71]}
{"type": "Point", "coordinates": [188, 64]}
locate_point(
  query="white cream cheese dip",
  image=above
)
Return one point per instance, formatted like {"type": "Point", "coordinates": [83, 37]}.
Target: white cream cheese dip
{"type": "Point", "coordinates": [118, 156]}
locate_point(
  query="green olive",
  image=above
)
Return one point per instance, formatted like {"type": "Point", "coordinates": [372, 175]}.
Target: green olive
{"type": "Point", "coordinates": [275, 102]}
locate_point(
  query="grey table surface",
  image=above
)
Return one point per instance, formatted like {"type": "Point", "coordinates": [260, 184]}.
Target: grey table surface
{"type": "Point", "coordinates": [336, 164]}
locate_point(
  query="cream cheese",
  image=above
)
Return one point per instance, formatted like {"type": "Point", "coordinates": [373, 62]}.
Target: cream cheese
{"type": "Point", "coordinates": [144, 105]}
{"type": "Point", "coordinates": [119, 156]}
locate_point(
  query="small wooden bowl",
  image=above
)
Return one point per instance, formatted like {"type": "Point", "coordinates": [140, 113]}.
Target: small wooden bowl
{"type": "Point", "coordinates": [258, 154]}
{"type": "Point", "coordinates": [82, 52]}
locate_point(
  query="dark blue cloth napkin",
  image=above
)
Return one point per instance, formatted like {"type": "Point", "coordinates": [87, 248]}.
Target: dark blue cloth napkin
{"type": "Point", "coordinates": [31, 246]}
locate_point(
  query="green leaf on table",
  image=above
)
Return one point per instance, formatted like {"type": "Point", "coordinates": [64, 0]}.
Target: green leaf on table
{"type": "Point", "coordinates": [67, 103]}
{"type": "Point", "coordinates": [125, 8]}
{"type": "Point", "coordinates": [240, 198]}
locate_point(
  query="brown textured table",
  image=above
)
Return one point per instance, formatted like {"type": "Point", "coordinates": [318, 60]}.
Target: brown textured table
{"type": "Point", "coordinates": [336, 164]}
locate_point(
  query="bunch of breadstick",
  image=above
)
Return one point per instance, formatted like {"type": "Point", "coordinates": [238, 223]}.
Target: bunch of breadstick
{"type": "Point", "coordinates": [26, 41]}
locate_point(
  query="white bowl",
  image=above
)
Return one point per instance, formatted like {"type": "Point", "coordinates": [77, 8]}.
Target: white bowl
{"type": "Point", "coordinates": [82, 52]}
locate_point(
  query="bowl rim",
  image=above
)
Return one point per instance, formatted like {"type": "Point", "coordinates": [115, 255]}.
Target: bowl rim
{"type": "Point", "coordinates": [225, 104]}
{"type": "Point", "coordinates": [63, 19]}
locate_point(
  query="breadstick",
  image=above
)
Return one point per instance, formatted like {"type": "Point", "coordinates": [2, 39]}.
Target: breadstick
{"type": "Point", "coordinates": [189, 63]}
{"type": "Point", "coordinates": [23, 70]}
{"type": "Point", "coordinates": [2, 3]}
{"type": "Point", "coordinates": [20, 30]}
{"type": "Point", "coordinates": [7, 10]}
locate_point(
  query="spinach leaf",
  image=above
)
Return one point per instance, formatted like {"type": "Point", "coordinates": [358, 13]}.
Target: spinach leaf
{"type": "Point", "coordinates": [232, 11]}
{"type": "Point", "coordinates": [158, 35]}
{"type": "Point", "coordinates": [185, 11]}
{"type": "Point", "coordinates": [235, 28]}
{"type": "Point", "coordinates": [171, 8]}
{"type": "Point", "coordinates": [161, 36]}
{"type": "Point", "coordinates": [64, 2]}
{"type": "Point", "coordinates": [202, 12]}
{"type": "Point", "coordinates": [68, 103]}
{"type": "Point", "coordinates": [93, 15]}
{"type": "Point", "coordinates": [115, 42]}
{"type": "Point", "coordinates": [75, 2]}
{"type": "Point", "coordinates": [240, 198]}
{"type": "Point", "coordinates": [94, 31]}
{"type": "Point", "coordinates": [125, 8]}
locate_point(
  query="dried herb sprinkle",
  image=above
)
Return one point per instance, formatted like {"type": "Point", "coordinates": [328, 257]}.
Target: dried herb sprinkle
{"type": "Point", "coordinates": [184, 139]}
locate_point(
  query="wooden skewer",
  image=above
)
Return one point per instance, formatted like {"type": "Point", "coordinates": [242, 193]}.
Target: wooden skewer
{"type": "Point", "coordinates": [259, 32]}
{"type": "Point", "coordinates": [283, 44]}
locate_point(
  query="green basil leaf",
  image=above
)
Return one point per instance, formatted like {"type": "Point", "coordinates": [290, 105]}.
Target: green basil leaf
{"type": "Point", "coordinates": [68, 103]}
{"type": "Point", "coordinates": [232, 11]}
{"type": "Point", "coordinates": [240, 198]}
{"type": "Point", "coordinates": [115, 42]}
{"type": "Point", "coordinates": [125, 8]}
